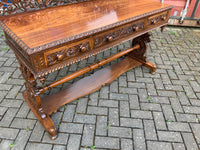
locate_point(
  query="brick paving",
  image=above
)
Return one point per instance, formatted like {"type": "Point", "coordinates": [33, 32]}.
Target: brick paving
{"type": "Point", "coordinates": [137, 111]}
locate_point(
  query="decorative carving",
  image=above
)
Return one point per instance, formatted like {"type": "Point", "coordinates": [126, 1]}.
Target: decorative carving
{"type": "Point", "coordinates": [67, 53]}
{"type": "Point", "coordinates": [157, 19]}
{"type": "Point", "coordinates": [142, 40]}
{"type": "Point", "coordinates": [117, 34]}
{"type": "Point", "coordinates": [16, 6]}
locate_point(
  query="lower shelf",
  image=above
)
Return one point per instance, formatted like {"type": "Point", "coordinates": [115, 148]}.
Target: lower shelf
{"type": "Point", "coordinates": [87, 85]}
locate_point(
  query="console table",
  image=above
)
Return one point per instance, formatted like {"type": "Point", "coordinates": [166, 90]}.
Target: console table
{"type": "Point", "coordinates": [51, 34]}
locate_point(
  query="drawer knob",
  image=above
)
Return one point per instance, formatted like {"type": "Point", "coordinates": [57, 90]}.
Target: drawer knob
{"type": "Point", "coordinates": [163, 17]}
{"type": "Point", "coordinates": [135, 28]}
{"type": "Point", "coordinates": [60, 56]}
{"type": "Point", "coordinates": [83, 49]}
{"type": "Point", "coordinates": [153, 21]}
{"type": "Point", "coordinates": [110, 38]}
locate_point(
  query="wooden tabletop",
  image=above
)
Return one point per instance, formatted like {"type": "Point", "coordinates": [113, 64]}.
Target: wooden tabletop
{"type": "Point", "coordinates": [52, 24]}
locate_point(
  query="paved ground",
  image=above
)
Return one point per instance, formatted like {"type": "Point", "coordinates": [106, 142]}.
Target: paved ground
{"type": "Point", "coordinates": [137, 111]}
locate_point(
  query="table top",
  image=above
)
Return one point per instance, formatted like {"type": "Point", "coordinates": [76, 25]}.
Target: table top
{"type": "Point", "coordinates": [56, 23]}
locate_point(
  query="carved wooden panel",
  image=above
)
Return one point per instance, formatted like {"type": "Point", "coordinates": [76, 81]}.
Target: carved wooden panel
{"type": "Point", "coordinates": [106, 38]}
{"type": "Point", "coordinates": [156, 19]}
{"type": "Point", "coordinates": [16, 6]}
{"type": "Point", "coordinates": [66, 52]}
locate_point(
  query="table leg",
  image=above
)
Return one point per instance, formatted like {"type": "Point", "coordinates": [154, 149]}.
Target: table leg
{"type": "Point", "coordinates": [139, 54]}
{"type": "Point", "coordinates": [33, 100]}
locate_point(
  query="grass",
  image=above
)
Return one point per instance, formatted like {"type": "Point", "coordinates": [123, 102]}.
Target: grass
{"type": "Point", "coordinates": [93, 147]}
{"type": "Point", "coordinates": [108, 126]}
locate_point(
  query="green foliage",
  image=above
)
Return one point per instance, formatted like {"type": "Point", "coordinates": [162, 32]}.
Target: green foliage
{"type": "Point", "coordinates": [11, 145]}
{"type": "Point", "coordinates": [93, 147]}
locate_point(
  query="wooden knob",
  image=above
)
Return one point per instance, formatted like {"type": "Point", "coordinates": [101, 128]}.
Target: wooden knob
{"type": "Point", "coordinates": [60, 56]}
{"type": "Point", "coordinates": [135, 28]}
{"type": "Point", "coordinates": [153, 21]}
{"type": "Point", "coordinates": [110, 38]}
{"type": "Point", "coordinates": [163, 17]}
{"type": "Point", "coordinates": [83, 49]}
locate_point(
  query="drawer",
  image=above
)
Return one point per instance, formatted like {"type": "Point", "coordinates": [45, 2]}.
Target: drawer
{"type": "Point", "coordinates": [67, 52]}
{"type": "Point", "coordinates": [110, 36]}
{"type": "Point", "coordinates": [157, 19]}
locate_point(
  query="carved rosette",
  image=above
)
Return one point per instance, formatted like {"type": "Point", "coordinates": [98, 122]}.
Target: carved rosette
{"type": "Point", "coordinates": [117, 34]}
{"type": "Point", "coordinates": [157, 19]}
{"type": "Point", "coordinates": [67, 53]}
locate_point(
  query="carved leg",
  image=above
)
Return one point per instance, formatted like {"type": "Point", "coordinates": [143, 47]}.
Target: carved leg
{"type": "Point", "coordinates": [139, 54]}
{"type": "Point", "coordinates": [33, 100]}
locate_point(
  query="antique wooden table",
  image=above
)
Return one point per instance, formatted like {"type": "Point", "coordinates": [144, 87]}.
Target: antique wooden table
{"type": "Point", "coordinates": [46, 38]}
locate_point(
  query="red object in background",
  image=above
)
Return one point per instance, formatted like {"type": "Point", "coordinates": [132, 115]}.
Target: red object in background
{"type": "Point", "coordinates": [179, 5]}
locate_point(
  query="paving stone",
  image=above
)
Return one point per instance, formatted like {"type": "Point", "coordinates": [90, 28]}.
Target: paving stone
{"type": "Point", "coordinates": [190, 141]}
{"type": "Point", "coordinates": [108, 103]}
{"type": "Point", "coordinates": [114, 87]}
{"type": "Point", "coordinates": [138, 139]}
{"type": "Point", "coordinates": [104, 92]}
{"type": "Point", "coordinates": [74, 142]}
{"type": "Point", "coordinates": [23, 111]}
{"type": "Point", "coordinates": [107, 142]}
{"type": "Point", "coordinates": [118, 96]}
{"type": "Point", "coordinates": [158, 83]}
{"type": "Point", "coordinates": [124, 109]}
{"type": "Point", "coordinates": [141, 114]}
{"type": "Point", "coordinates": [71, 128]}
{"type": "Point", "coordinates": [134, 103]}
{"type": "Point", "coordinates": [21, 140]}
{"type": "Point", "coordinates": [8, 117]}
{"type": "Point", "coordinates": [149, 128]}
{"type": "Point", "coordinates": [186, 117]}
{"type": "Point", "coordinates": [167, 93]}
{"type": "Point", "coordinates": [150, 106]}
{"type": "Point", "coordinates": [27, 123]}
{"type": "Point", "coordinates": [88, 135]}
{"type": "Point", "coordinates": [69, 113]}
{"type": "Point", "coordinates": [178, 146]}
{"type": "Point", "coordinates": [85, 118]}
{"type": "Point", "coordinates": [37, 146]}
{"type": "Point", "coordinates": [5, 87]}
{"type": "Point", "coordinates": [120, 132]}
{"type": "Point", "coordinates": [153, 145]}
{"type": "Point", "coordinates": [168, 113]}
{"type": "Point", "coordinates": [8, 133]}
{"type": "Point", "coordinates": [5, 144]}
{"type": "Point", "coordinates": [59, 147]}
{"type": "Point", "coordinates": [183, 98]}
{"type": "Point", "coordinates": [136, 85]}
{"type": "Point", "coordinates": [126, 144]}
{"type": "Point", "coordinates": [129, 122]}
{"type": "Point", "coordinates": [195, 129]}
{"type": "Point", "coordinates": [113, 117]}
{"type": "Point", "coordinates": [178, 126]}
{"type": "Point", "coordinates": [5, 77]}
{"type": "Point", "coordinates": [101, 125]}
{"type": "Point", "coordinates": [82, 104]}
{"type": "Point", "coordinates": [61, 139]}
{"type": "Point", "coordinates": [97, 110]}
{"type": "Point", "coordinates": [3, 110]}
{"type": "Point", "coordinates": [37, 129]}
{"type": "Point", "coordinates": [13, 92]}
{"type": "Point", "coordinates": [191, 109]}
{"type": "Point", "coordinates": [159, 100]}
{"type": "Point", "coordinates": [125, 90]}
{"type": "Point", "coordinates": [11, 103]}
{"type": "Point", "coordinates": [142, 95]}
{"type": "Point", "coordinates": [176, 106]}
{"type": "Point", "coordinates": [169, 136]}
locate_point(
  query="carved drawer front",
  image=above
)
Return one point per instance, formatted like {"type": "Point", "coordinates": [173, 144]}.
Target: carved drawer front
{"type": "Point", "coordinates": [118, 33]}
{"type": "Point", "coordinates": [67, 52]}
{"type": "Point", "coordinates": [157, 19]}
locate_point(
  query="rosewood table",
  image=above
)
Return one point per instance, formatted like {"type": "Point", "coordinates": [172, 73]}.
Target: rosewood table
{"type": "Point", "coordinates": [51, 34]}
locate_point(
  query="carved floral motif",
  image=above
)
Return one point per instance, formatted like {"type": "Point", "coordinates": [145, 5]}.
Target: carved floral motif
{"type": "Point", "coordinates": [16, 6]}
{"type": "Point", "coordinates": [66, 53]}
{"type": "Point", "coordinates": [117, 34]}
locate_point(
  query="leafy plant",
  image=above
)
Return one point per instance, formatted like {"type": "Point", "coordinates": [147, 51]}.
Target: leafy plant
{"type": "Point", "coordinates": [93, 147]}
{"type": "Point", "coordinates": [11, 145]}
{"type": "Point", "coordinates": [108, 126]}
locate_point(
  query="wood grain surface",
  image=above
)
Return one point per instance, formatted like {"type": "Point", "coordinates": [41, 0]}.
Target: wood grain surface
{"type": "Point", "coordinates": [56, 23]}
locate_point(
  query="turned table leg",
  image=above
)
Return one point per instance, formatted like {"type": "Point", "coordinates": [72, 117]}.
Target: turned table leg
{"type": "Point", "coordinates": [139, 54]}
{"type": "Point", "coordinates": [33, 100]}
